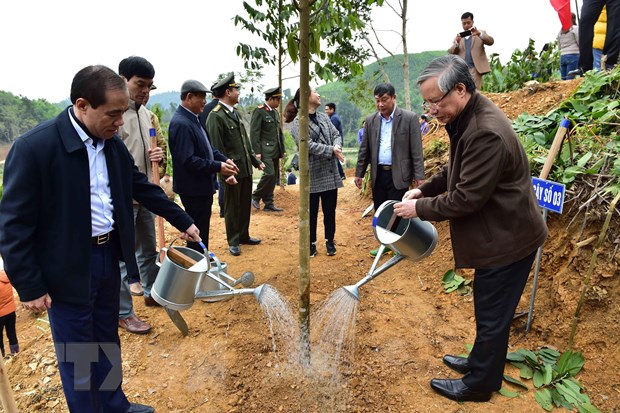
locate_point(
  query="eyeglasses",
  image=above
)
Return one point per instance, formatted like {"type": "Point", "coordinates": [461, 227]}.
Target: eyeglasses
{"type": "Point", "coordinates": [434, 105]}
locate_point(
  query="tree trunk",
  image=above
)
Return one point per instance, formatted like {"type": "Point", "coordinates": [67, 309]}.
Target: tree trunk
{"type": "Point", "coordinates": [405, 58]}
{"type": "Point", "coordinates": [304, 182]}
{"type": "Point", "coordinates": [281, 107]}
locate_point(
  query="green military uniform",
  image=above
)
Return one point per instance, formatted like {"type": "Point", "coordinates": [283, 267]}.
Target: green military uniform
{"type": "Point", "coordinates": [228, 135]}
{"type": "Point", "coordinates": [268, 141]}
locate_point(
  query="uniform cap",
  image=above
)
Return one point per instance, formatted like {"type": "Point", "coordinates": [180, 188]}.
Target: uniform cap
{"type": "Point", "coordinates": [226, 82]}
{"type": "Point", "coordinates": [273, 92]}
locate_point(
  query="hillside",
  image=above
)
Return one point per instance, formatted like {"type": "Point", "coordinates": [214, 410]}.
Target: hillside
{"type": "Point", "coordinates": [233, 360]}
{"type": "Point", "coordinates": [355, 100]}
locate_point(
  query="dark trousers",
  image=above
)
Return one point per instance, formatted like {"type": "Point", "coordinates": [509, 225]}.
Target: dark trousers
{"type": "Point", "coordinates": [237, 203]}
{"type": "Point", "coordinates": [341, 171]}
{"type": "Point", "coordinates": [329, 200]}
{"type": "Point", "coordinates": [589, 15]}
{"type": "Point", "coordinates": [8, 322]}
{"type": "Point", "coordinates": [384, 190]}
{"type": "Point", "coordinates": [220, 196]}
{"type": "Point", "coordinates": [267, 184]}
{"type": "Point", "coordinates": [199, 208]}
{"type": "Point", "coordinates": [86, 339]}
{"type": "Point", "coordinates": [496, 294]}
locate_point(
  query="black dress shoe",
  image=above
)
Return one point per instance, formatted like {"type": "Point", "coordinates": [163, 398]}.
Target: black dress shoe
{"type": "Point", "coordinates": [251, 241]}
{"type": "Point", "coordinates": [458, 391]}
{"type": "Point", "coordinates": [458, 364]}
{"type": "Point", "coordinates": [255, 204]}
{"type": "Point", "coordinates": [234, 250]}
{"type": "Point", "coordinates": [272, 208]}
{"type": "Point", "coordinates": [139, 408]}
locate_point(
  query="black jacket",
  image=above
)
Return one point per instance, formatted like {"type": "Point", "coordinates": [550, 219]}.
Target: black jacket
{"type": "Point", "coordinates": [193, 167]}
{"type": "Point", "coordinates": [45, 213]}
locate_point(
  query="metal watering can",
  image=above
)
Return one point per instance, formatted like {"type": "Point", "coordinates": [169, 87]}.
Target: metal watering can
{"type": "Point", "coordinates": [407, 238]}
{"type": "Point", "coordinates": [186, 275]}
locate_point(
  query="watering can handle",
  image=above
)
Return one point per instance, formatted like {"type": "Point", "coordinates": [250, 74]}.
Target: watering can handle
{"type": "Point", "coordinates": [218, 263]}
{"type": "Point", "coordinates": [158, 260]}
{"type": "Point", "coordinates": [164, 249]}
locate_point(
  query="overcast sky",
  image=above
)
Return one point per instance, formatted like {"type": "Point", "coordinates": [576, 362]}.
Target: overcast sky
{"type": "Point", "coordinates": [45, 42]}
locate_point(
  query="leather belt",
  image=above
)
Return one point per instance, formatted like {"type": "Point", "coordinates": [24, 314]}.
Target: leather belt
{"type": "Point", "coordinates": [386, 167]}
{"type": "Point", "coordinates": [101, 239]}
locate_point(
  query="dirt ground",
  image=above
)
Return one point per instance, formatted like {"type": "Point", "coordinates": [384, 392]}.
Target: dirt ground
{"type": "Point", "coordinates": [405, 322]}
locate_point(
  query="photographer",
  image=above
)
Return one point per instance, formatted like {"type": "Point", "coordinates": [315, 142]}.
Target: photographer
{"type": "Point", "coordinates": [469, 46]}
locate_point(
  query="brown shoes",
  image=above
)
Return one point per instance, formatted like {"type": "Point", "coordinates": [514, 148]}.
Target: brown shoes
{"type": "Point", "coordinates": [136, 289]}
{"type": "Point", "coordinates": [134, 325]}
{"type": "Point", "coordinates": [150, 302]}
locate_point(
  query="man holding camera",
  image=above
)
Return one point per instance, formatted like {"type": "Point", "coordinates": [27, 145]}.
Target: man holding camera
{"type": "Point", "coordinates": [469, 46]}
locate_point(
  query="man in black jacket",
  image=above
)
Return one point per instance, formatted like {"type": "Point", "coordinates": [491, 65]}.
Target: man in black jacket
{"type": "Point", "coordinates": [66, 220]}
{"type": "Point", "coordinates": [194, 161]}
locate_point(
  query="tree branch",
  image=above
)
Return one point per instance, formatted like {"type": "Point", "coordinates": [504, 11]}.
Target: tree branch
{"type": "Point", "coordinates": [379, 41]}
{"type": "Point", "coordinates": [393, 9]}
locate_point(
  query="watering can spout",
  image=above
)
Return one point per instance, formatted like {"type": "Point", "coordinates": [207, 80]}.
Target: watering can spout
{"type": "Point", "coordinates": [353, 290]}
{"type": "Point", "coordinates": [228, 293]}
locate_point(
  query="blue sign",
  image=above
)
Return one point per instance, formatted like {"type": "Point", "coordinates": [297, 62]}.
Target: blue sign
{"type": "Point", "coordinates": [550, 194]}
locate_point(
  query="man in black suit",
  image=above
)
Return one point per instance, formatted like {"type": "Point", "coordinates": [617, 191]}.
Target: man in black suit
{"type": "Point", "coordinates": [66, 220]}
{"type": "Point", "coordinates": [194, 161]}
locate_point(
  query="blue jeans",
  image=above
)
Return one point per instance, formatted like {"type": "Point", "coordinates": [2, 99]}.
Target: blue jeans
{"type": "Point", "coordinates": [568, 62]}
{"type": "Point", "coordinates": [146, 255]}
{"type": "Point", "coordinates": [596, 55]}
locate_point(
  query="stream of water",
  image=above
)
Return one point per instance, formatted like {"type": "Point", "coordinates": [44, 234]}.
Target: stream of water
{"type": "Point", "coordinates": [332, 338]}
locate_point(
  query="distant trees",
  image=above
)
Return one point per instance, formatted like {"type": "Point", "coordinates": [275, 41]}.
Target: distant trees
{"type": "Point", "coordinates": [19, 114]}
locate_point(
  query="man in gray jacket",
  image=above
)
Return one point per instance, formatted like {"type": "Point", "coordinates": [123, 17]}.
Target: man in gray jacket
{"type": "Point", "coordinates": [392, 145]}
{"type": "Point", "coordinates": [495, 223]}
{"type": "Point", "coordinates": [135, 133]}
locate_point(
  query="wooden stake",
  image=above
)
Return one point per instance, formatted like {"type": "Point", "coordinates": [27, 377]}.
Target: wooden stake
{"type": "Point", "coordinates": [555, 148]}
{"type": "Point", "coordinates": [6, 393]}
{"type": "Point", "coordinates": [155, 174]}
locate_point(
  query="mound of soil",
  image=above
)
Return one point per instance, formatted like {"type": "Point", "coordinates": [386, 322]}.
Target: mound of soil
{"type": "Point", "coordinates": [405, 322]}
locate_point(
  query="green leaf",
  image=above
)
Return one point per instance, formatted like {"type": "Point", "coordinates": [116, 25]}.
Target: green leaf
{"type": "Point", "coordinates": [538, 379]}
{"type": "Point", "coordinates": [547, 374]}
{"type": "Point", "coordinates": [515, 381]}
{"type": "Point", "coordinates": [558, 400]}
{"type": "Point", "coordinates": [293, 47]}
{"type": "Point", "coordinates": [576, 389]}
{"type": "Point", "coordinates": [530, 356]}
{"type": "Point", "coordinates": [448, 276]}
{"type": "Point", "coordinates": [584, 159]}
{"type": "Point", "coordinates": [508, 393]}
{"type": "Point", "coordinates": [525, 371]}
{"type": "Point", "coordinates": [548, 356]}
{"type": "Point", "coordinates": [515, 356]}
{"type": "Point", "coordinates": [570, 363]}
{"type": "Point", "coordinates": [596, 167]}
{"type": "Point", "coordinates": [570, 396]}
{"type": "Point", "coordinates": [588, 408]}
{"type": "Point", "coordinates": [543, 397]}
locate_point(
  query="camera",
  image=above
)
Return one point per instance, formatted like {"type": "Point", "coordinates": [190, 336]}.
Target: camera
{"type": "Point", "coordinates": [465, 33]}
